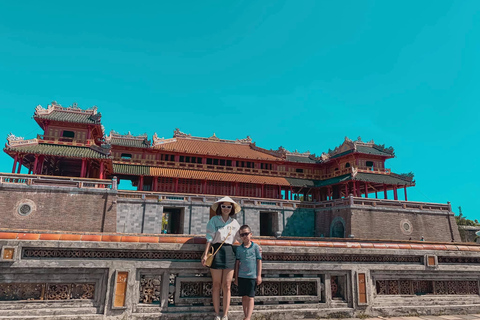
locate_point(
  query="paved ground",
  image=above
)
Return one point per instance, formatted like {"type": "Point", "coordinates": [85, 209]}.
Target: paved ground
{"type": "Point", "coordinates": [449, 317]}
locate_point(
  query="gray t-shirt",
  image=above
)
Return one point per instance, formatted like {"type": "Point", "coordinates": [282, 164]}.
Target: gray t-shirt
{"type": "Point", "coordinates": [248, 260]}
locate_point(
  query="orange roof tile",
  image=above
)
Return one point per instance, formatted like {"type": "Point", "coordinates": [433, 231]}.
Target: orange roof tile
{"type": "Point", "coordinates": [191, 239]}
{"type": "Point", "coordinates": [215, 148]}
{"type": "Point", "coordinates": [217, 176]}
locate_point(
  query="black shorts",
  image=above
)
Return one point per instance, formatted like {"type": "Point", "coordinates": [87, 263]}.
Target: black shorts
{"type": "Point", "coordinates": [246, 287]}
{"type": "Point", "coordinates": [225, 257]}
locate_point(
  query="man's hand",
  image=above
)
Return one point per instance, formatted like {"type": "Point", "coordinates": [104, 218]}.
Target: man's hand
{"type": "Point", "coordinates": [259, 280]}
{"type": "Point", "coordinates": [236, 281]}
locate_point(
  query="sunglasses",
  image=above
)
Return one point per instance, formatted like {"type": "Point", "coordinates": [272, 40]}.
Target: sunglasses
{"type": "Point", "coordinates": [244, 234]}
{"type": "Point", "coordinates": [226, 207]}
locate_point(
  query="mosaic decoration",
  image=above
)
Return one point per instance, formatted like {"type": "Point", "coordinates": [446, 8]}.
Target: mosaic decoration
{"type": "Point", "coordinates": [46, 291]}
{"type": "Point", "coordinates": [150, 288]}
{"type": "Point", "coordinates": [189, 255]}
{"type": "Point", "coordinates": [267, 288]}
{"type": "Point", "coordinates": [414, 287]}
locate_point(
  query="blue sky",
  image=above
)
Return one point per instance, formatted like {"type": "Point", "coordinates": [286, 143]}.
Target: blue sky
{"type": "Point", "coordinates": [298, 74]}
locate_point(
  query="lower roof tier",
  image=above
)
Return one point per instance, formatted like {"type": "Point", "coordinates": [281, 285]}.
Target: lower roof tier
{"type": "Point", "coordinates": [137, 170]}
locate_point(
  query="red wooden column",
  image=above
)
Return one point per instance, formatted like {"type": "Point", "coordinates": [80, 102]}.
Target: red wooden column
{"type": "Point", "coordinates": [366, 190]}
{"type": "Point", "coordinates": [155, 183]}
{"type": "Point", "coordinates": [15, 159]}
{"type": "Point", "coordinates": [385, 190]}
{"type": "Point", "coordinates": [354, 188]}
{"type": "Point", "coordinates": [279, 192]}
{"type": "Point", "coordinates": [395, 195]}
{"type": "Point", "coordinates": [140, 184]}
{"type": "Point", "coordinates": [84, 167]}
{"type": "Point", "coordinates": [102, 168]}
{"type": "Point", "coordinates": [346, 189]}
{"type": "Point", "coordinates": [40, 164]}
{"type": "Point", "coordinates": [263, 190]}
{"type": "Point", "coordinates": [20, 162]}
{"type": "Point", "coordinates": [405, 190]}
{"type": "Point", "coordinates": [35, 164]}
{"type": "Point", "coordinates": [176, 185]}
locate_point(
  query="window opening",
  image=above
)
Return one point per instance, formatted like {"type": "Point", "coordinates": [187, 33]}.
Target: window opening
{"type": "Point", "coordinates": [268, 223]}
{"type": "Point", "coordinates": [172, 220]}
{"type": "Point", "coordinates": [68, 134]}
{"type": "Point", "coordinates": [126, 156]}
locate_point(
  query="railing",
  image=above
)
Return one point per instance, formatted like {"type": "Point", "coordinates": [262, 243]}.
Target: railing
{"type": "Point", "coordinates": [190, 197]}
{"type": "Point", "coordinates": [41, 180]}
{"type": "Point", "coordinates": [368, 202]}
{"type": "Point", "coordinates": [62, 140]}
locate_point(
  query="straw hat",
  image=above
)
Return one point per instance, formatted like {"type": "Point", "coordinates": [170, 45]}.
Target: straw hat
{"type": "Point", "coordinates": [236, 206]}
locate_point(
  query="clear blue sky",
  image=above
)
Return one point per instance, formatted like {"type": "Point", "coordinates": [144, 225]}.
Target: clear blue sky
{"type": "Point", "coordinates": [300, 74]}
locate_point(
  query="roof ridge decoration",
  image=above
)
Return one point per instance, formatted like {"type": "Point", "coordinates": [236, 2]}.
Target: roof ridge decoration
{"type": "Point", "coordinates": [280, 153]}
{"type": "Point", "coordinates": [158, 141]}
{"type": "Point", "coordinates": [404, 176]}
{"type": "Point", "coordinates": [179, 134]}
{"type": "Point", "coordinates": [74, 108]}
{"type": "Point", "coordinates": [349, 144]}
{"type": "Point", "coordinates": [115, 135]}
{"type": "Point", "coordinates": [13, 140]}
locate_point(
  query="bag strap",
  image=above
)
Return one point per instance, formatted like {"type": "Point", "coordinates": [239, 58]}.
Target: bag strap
{"type": "Point", "coordinates": [228, 235]}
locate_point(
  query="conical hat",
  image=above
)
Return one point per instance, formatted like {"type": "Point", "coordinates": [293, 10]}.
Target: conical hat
{"type": "Point", "coordinates": [213, 208]}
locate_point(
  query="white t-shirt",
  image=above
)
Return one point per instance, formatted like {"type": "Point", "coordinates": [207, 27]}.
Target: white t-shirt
{"type": "Point", "coordinates": [218, 230]}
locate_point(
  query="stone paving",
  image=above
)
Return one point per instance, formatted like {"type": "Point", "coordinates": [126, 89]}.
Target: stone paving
{"type": "Point", "coordinates": [445, 317]}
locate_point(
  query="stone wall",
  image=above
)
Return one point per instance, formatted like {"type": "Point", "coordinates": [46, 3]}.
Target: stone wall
{"type": "Point", "coordinates": [150, 277]}
{"type": "Point", "coordinates": [54, 208]}
{"type": "Point", "coordinates": [387, 223]}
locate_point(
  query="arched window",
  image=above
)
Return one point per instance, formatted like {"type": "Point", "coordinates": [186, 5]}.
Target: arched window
{"type": "Point", "coordinates": [337, 228]}
{"type": "Point", "coordinates": [347, 165]}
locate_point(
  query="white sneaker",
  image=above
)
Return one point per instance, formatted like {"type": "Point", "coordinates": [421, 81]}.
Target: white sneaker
{"type": "Point", "coordinates": [217, 318]}
{"type": "Point", "coordinates": [225, 318]}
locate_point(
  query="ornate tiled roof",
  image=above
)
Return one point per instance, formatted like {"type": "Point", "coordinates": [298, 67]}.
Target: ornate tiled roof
{"type": "Point", "coordinates": [349, 146]}
{"type": "Point", "coordinates": [391, 179]}
{"type": "Point", "coordinates": [294, 182]}
{"type": "Point", "coordinates": [213, 147]}
{"type": "Point", "coordinates": [384, 178]}
{"type": "Point", "coordinates": [59, 150]}
{"type": "Point", "coordinates": [197, 174]}
{"type": "Point", "coordinates": [332, 181]}
{"type": "Point", "coordinates": [301, 159]}
{"type": "Point", "coordinates": [128, 140]}
{"type": "Point", "coordinates": [71, 114]}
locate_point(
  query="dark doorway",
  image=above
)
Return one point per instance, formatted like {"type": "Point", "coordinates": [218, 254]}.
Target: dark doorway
{"type": "Point", "coordinates": [172, 220]}
{"type": "Point", "coordinates": [268, 223]}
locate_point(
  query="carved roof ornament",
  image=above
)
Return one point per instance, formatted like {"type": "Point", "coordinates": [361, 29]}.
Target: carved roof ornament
{"type": "Point", "coordinates": [214, 137]}
{"type": "Point", "coordinates": [13, 140]}
{"type": "Point", "coordinates": [348, 144]}
{"type": "Point", "coordinates": [74, 108]}
{"type": "Point", "coordinates": [178, 133]}
{"type": "Point", "coordinates": [246, 140]}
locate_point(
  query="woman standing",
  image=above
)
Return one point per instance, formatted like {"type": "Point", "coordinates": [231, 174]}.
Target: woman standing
{"type": "Point", "coordinates": [222, 228]}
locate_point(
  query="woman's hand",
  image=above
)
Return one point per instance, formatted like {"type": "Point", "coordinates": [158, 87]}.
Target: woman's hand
{"type": "Point", "coordinates": [204, 258]}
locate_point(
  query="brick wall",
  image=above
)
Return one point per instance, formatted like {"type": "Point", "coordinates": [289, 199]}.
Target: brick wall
{"type": "Point", "coordinates": [53, 208]}
{"type": "Point", "coordinates": [381, 223]}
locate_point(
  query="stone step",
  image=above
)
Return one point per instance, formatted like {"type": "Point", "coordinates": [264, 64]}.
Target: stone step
{"type": "Point", "coordinates": [47, 312]}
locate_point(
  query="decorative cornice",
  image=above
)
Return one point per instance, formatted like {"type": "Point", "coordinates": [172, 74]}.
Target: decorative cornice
{"type": "Point", "coordinates": [13, 141]}
{"type": "Point", "coordinates": [54, 106]}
